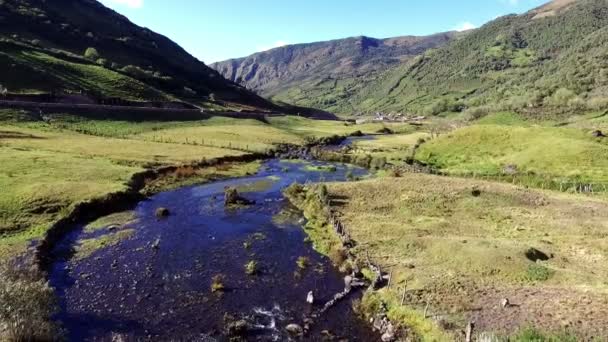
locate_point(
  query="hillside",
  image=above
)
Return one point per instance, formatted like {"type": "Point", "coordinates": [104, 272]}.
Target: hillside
{"type": "Point", "coordinates": [82, 46]}
{"type": "Point", "coordinates": [548, 61]}
{"type": "Point", "coordinates": [324, 73]}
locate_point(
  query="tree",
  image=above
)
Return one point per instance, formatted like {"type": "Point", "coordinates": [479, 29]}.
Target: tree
{"type": "Point", "coordinates": [92, 54]}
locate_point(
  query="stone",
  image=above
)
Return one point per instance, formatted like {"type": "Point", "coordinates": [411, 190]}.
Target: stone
{"type": "Point", "coordinates": [294, 329]}
{"type": "Point", "coordinates": [310, 298]}
{"type": "Point", "coordinates": [535, 255]}
{"type": "Point", "coordinates": [232, 197]}
{"type": "Point", "coordinates": [237, 328]}
{"type": "Point", "coordinates": [504, 303]}
{"type": "Point", "coordinates": [598, 134]}
{"type": "Point", "coordinates": [389, 334]}
{"type": "Point", "coordinates": [348, 282]}
{"type": "Point", "coordinates": [162, 212]}
{"type": "Point", "coordinates": [113, 228]}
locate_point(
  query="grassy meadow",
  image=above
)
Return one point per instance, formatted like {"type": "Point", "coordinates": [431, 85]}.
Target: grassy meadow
{"type": "Point", "coordinates": [460, 246]}
{"type": "Point", "coordinates": [558, 154]}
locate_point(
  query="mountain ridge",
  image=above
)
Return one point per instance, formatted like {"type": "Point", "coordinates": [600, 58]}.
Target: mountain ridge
{"type": "Point", "coordinates": [309, 64]}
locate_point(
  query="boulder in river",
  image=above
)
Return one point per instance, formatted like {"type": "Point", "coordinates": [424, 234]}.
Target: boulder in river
{"type": "Point", "coordinates": [310, 299]}
{"type": "Point", "coordinates": [232, 197]}
{"type": "Point", "coordinates": [294, 329]}
{"type": "Point", "coordinates": [162, 212]}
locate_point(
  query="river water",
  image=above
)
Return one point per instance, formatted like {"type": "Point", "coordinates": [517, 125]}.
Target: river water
{"type": "Point", "coordinates": [156, 284]}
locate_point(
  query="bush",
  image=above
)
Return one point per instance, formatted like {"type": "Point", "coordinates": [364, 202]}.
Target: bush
{"type": "Point", "coordinates": [476, 113]}
{"type": "Point", "coordinates": [217, 283]}
{"type": "Point", "coordinates": [561, 97]}
{"type": "Point", "coordinates": [92, 54]}
{"type": "Point", "coordinates": [598, 103]}
{"type": "Point", "coordinates": [103, 62]}
{"type": "Point", "coordinates": [28, 304]}
{"type": "Point", "coordinates": [538, 273]}
{"type": "Point", "coordinates": [251, 267]}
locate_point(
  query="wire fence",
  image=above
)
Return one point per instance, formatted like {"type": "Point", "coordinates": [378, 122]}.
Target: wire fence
{"type": "Point", "coordinates": [534, 181]}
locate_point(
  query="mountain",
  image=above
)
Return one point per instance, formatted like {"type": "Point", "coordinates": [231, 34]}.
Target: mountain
{"type": "Point", "coordinates": [546, 61]}
{"type": "Point", "coordinates": [323, 73]}
{"type": "Point", "coordinates": [80, 45]}
{"type": "Point", "coordinates": [549, 61]}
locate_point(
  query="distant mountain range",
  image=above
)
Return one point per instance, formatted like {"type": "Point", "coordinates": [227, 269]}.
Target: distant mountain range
{"type": "Point", "coordinates": [323, 73]}
{"type": "Point", "coordinates": [80, 45]}
{"type": "Point", "coordinates": [550, 60]}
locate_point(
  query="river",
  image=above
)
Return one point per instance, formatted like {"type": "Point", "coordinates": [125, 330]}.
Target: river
{"type": "Point", "coordinates": [156, 284]}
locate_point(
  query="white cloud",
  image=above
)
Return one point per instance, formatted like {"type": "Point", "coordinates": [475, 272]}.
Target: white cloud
{"type": "Point", "coordinates": [128, 3]}
{"type": "Point", "coordinates": [510, 2]}
{"type": "Point", "coordinates": [276, 44]}
{"type": "Point", "coordinates": [464, 26]}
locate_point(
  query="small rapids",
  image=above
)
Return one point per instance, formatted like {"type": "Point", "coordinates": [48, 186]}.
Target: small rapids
{"type": "Point", "coordinates": [155, 283]}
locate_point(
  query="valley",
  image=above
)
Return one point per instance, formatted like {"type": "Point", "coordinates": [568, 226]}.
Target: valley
{"type": "Point", "coordinates": [449, 187]}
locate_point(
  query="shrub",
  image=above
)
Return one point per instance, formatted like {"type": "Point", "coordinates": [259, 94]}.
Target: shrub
{"type": "Point", "coordinates": [533, 335]}
{"type": "Point", "coordinates": [476, 113]}
{"type": "Point", "coordinates": [251, 267]}
{"type": "Point", "coordinates": [537, 272]}
{"type": "Point", "coordinates": [28, 304]}
{"type": "Point", "coordinates": [598, 103]}
{"type": "Point", "coordinates": [561, 97]}
{"type": "Point", "coordinates": [217, 283]}
{"type": "Point", "coordinates": [377, 163]}
{"type": "Point", "coordinates": [92, 54]}
{"type": "Point", "coordinates": [303, 262]}
{"type": "Point", "coordinates": [103, 62]}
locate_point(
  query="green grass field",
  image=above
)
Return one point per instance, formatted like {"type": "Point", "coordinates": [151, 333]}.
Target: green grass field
{"type": "Point", "coordinates": [552, 153]}
{"type": "Point", "coordinates": [462, 253]}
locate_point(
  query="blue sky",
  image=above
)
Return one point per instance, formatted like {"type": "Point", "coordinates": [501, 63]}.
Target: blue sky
{"type": "Point", "coordinates": [215, 30]}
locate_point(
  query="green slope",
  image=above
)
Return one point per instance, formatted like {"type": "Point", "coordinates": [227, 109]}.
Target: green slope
{"type": "Point", "coordinates": [43, 49]}
{"type": "Point", "coordinates": [549, 61]}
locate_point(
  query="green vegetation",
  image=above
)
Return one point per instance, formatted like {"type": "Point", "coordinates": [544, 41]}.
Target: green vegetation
{"type": "Point", "coordinates": [252, 267]}
{"type": "Point", "coordinates": [454, 250]}
{"type": "Point", "coordinates": [28, 304]}
{"type": "Point", "coordinates": [37, 72]}
{"type": "Point", "coordinates": [303, 262]}
{"type": "Point", "coordinates": [85, 47]}
{"type": "Point", "coordinates": [118, 219]}
{"type": "Point", "coordinates": [217, 283]}
{"type": "Point", "coordinates": [87, 247]}
{"type": "Point", "coordinates": [542, 65]}
{"type": "Point", "coordinates": [533, 155]}
{"type": "Point", "coordinates": [312, 200]}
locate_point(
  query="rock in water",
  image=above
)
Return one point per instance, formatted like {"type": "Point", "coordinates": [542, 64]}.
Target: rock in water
{"type": "Point", "coordinates": [348, 283]}
{"type": "Point", "coordinates": [162, 212]}
{"type": "Point", "coordinates": [232, 197]}
{"type": "Point", "coordinates": [294, 329]}
{"type": "Point", "coordinates": [310, 299]}
{"type": "Point", "coordinates": [389, 334]}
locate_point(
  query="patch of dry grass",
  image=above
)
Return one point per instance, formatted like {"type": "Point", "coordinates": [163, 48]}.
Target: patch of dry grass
{"type": "Point", "coordinates": [450, 244]}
